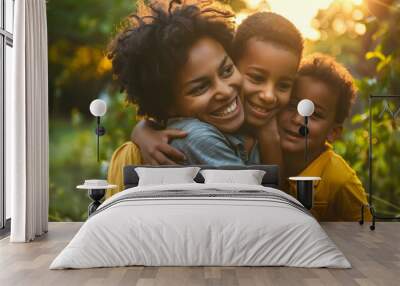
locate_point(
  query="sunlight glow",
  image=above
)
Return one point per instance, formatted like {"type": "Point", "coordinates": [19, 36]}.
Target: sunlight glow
{"type": "Point", "coordinates": [358, 15]}
{"type": "Point", "coordinates": [301, 13]}
{"type": "Point", "coordinates": [360, 28]}
{"type": "Point", "coordinates": [357, 2]}
{"type": "Point", "coordinates": [253, 4]}
{"type": "Point", "coordinates": [239, 18]}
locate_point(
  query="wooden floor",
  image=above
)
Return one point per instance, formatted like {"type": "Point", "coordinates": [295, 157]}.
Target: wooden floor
{"type": "Point", "coordinates": [375, 256]}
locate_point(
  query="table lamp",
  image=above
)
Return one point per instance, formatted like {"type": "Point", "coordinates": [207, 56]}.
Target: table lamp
{"type": "Point", "coordinates": [305, 108]}
{"type": "Point", "coordinates": [98, 108]}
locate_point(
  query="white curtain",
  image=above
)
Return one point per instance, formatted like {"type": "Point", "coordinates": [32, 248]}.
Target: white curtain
{"type": "Point", "coordinates": [27, 122]}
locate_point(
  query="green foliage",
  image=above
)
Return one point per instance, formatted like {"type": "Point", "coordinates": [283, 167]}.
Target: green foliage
{"type": "Point", "coordinates": [78, 33]}
{"type": "Point", "coordinates": [362, 37]}
{"type": "Point", "coordinates": [73, 156]}
{"type": "Point", "coordinates": [384, 58]}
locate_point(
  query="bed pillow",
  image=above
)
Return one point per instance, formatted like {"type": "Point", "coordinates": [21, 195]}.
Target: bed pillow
{"type": "Point", "coordinates": [166, 176]}
{"type": "Point", "coordinates": [247, 177]}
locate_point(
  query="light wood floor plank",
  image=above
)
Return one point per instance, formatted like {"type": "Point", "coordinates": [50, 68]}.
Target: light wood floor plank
{"type": "Point", "coordinates": [374, 255]}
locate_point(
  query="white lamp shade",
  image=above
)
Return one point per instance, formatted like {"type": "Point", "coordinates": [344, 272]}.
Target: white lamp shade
{"type": "Point", "coordinates": [305, 107]}
{"type": "Point", "coordinates": [98, 107]}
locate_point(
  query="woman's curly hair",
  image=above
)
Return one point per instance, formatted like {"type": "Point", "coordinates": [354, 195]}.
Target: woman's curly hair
{"type": "Point", "coordinates": [148, 54]}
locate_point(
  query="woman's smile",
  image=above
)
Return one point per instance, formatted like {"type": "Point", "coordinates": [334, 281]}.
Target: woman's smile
{"type": "Point", "coordinates": [229, 110]}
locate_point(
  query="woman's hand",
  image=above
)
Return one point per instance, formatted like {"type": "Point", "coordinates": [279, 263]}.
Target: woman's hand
{"type": "Point", "coordinates": [154, 146]}
{"type": "Point", "coordinates": [270, 143]}
{"type": "Point", "coordinates": [269, 132]}
{"type": "Point", "coordinates": [270, 147]}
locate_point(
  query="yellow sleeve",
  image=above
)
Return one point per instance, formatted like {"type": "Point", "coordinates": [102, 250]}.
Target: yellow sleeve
{"type": "Point", "coordinates": [127, 154]}
{"type": "Point", "coordinates": [350, 199]}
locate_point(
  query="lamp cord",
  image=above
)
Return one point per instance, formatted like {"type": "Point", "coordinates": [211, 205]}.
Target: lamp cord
{"type": "Point", "coordinates": [98, 139]}
{"type": "Point", "coordinates": [306, 141]}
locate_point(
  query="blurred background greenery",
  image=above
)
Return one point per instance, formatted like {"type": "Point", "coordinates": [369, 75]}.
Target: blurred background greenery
{"type": "Point", "coordinates": [363, 35]}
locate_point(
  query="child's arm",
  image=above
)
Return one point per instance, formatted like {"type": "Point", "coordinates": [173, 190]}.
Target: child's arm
{"type": "Point", "coordinates": [202, 144]}
{"type": "Point", "coordinates": [154, 146]}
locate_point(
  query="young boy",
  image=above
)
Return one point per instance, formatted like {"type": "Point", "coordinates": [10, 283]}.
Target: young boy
{"type": "Point", "coordinates": [339, 195]}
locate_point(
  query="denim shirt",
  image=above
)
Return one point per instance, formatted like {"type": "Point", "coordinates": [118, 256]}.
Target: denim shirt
{"type": "Point", "coordinates": [206, 145]}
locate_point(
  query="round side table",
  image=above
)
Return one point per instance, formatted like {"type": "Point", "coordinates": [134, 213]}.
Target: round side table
{"type": "Point", "coordinates": [305, 190]}
{"type": "Point", "coordinates": [96, 194]}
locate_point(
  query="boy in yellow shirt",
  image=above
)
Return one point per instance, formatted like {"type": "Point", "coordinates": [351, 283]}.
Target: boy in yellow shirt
{"type": "Point", "coordinates": [339, 195]}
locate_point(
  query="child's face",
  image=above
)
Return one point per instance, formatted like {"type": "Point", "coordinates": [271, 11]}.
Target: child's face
{"type": "Point", "coordinates": [322, 125]}
{"type": "Point", "coordinates": [268, 72]}
{"type": "Point", "coordinates": [209, 86]}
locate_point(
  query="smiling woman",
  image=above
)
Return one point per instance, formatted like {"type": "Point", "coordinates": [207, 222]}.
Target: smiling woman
{"type": "Point", "coordinates": [155, 60]}
{"type": "Point", "coordinates": [209, 91]}
{"type": "Point", "coordinates": [159, 62]}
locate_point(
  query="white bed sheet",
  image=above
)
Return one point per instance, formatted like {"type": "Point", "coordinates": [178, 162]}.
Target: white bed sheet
{"type": "Point", "coordinates": [200, 231]}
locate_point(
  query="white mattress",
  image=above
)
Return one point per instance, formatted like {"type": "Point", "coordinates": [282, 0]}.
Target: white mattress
{"type": "Point", "coordinates": [189, 231]}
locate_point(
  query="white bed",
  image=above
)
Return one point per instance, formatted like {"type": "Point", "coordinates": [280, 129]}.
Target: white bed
{"type": "Point", "coordinates": [222, 225]}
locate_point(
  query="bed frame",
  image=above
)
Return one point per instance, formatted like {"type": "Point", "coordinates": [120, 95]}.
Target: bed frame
{"type": "Point", "coordinates": [270, 179]}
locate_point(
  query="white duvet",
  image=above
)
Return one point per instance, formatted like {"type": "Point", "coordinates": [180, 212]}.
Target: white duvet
{"type": "Point", "coordinates": [183, 231]}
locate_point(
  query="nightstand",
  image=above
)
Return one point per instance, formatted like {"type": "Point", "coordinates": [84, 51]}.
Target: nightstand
{"type": "Point", "coordinates": [305, 190]}
{"type": "Point", "coordinates": [96, 190]}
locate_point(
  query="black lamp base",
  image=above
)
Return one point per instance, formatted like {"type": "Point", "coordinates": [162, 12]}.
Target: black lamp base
{"type": "Point", "coordinates": [96, 195]}
{"type": "Point", "coordinates": [305, 191]}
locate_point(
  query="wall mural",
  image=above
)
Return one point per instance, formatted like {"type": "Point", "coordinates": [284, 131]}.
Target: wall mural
{"type": "Point", "coordinates": [334, 53]}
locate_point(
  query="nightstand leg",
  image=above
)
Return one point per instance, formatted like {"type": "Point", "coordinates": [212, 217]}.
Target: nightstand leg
{"type": "Point", "coordinates": [305, 193]}
{"type": "Point", "coordinates": [372, 209]}
{"type": "Point", "coordinates": [361, 222]}
{"type": "Point", "coordinates": [96, 195]}
{"type": "Point", "coordinates": [93, 207]}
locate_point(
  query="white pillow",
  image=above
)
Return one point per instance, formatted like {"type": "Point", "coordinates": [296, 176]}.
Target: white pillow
{"type": "Point", "coordinates": [248, 177]}
{"type": "Point", "coordinates": [165, 176]}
